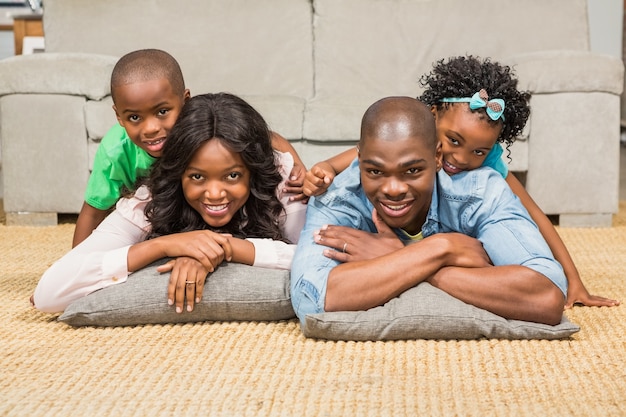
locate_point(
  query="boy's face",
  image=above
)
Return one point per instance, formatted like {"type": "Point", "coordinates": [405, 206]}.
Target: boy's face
{"type": "Point", "coordinates": [398, 177]}
{"type": "Point", "coordinates": [466, 138]}
{"type": "Point", "coordinates": [148, 110]}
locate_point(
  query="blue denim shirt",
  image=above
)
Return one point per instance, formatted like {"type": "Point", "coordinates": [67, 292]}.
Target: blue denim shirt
{"type": "Point", "coordinates": [477, 203]}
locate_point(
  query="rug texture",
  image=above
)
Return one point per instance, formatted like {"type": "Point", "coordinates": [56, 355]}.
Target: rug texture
{"type": "Point", "coordinates": [269, 369]}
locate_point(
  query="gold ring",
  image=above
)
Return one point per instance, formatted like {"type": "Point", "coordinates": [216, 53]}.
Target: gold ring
{"type": "Point", "coordinates": [190, 282]}
{"type": "Point", "coordinates": [345, 245]}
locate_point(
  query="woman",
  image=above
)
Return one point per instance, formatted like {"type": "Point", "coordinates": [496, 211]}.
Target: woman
{"type": "Point", "coordinates": [212, 197]}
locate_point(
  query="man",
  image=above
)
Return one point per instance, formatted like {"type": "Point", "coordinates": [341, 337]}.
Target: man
{"type": "Point", "coordinates": [469, 235]}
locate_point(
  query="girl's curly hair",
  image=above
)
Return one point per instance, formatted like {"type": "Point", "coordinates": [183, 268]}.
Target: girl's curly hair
{"type": "Point", "coordinates": [241, 129]}
{"type": "Point", "coordinates": [463, 76]}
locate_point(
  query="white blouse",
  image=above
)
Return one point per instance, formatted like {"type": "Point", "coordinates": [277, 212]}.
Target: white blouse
{"type": "Point", "coordinates": [101, 259]}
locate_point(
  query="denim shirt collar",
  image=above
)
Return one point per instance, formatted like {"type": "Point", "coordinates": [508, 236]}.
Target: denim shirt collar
{"type": "Point", "coordinates": [431, 226]}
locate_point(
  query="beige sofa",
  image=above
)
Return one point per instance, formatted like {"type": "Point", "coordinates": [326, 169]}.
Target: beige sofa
{"type": "Point", "coordinates": [312, 67]}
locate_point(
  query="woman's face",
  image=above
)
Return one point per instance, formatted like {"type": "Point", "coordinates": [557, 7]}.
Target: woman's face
{"type": "Point", "coordinates": [216, 183]}
{"type": "Point", "coordinates": [466, 138]}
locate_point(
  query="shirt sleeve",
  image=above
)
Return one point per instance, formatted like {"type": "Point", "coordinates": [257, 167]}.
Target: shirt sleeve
{"type": "Point", "coordinates": [102, 191]}
{"type": "Point", "coordinates": [292, 219]}
{"type": "Point", "coordinates": [98, 262]}
{"type": "Point", "coordinates": [272, 254]}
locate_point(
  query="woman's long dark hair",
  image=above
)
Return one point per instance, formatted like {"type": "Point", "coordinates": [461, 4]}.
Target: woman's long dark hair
{"type": "Point", "coordinates": [241, 129]}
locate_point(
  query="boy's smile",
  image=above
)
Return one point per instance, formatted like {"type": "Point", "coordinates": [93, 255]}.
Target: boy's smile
{"type": "Point", "coordinates": [148, 110]}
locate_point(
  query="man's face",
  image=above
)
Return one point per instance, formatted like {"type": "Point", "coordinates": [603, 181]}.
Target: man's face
{"type": "Point", "coordinates": [398, 177]}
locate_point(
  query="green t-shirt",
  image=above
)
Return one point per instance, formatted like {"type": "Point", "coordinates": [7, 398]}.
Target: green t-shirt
{"type": "Point", "coordinates": [117, 164]}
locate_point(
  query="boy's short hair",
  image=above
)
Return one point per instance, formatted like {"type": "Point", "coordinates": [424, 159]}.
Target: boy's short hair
{"type": "Point", "coordinates": [147, 64]}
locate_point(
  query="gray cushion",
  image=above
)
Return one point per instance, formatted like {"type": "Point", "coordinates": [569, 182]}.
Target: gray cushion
{"type": "Point", "coordinates": [232, 292]}
{"type": "Point", "coordinates": [425, 312]}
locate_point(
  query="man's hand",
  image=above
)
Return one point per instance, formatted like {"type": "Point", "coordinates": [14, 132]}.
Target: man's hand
{"type": "Point", "coordinates": [461, 250]}
{"type": "Point", "coordinates": [350, 244]}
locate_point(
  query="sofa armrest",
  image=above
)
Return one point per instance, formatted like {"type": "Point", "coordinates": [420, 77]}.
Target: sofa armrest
{"type": "Point", "coordinates": [573, 133]}
{"type": "Point", "coordinates": [79, 74]}
{"type": "Point", "coordinates": [568, 71]}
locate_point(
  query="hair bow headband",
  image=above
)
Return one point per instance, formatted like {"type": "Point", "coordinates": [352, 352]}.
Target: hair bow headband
{"type": "Point", "coordinates": [493, 107]}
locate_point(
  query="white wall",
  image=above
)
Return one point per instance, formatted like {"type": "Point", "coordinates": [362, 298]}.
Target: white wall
{"type": "Point", "coordinates": [6, 44]}
{"type": "Point", "coordinates": [606, 18]}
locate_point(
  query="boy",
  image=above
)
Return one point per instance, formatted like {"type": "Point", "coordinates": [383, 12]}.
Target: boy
{"type": "Point", "coordinates": [148, 92]}
{"type": "Point", "coordinates": [395, 220]}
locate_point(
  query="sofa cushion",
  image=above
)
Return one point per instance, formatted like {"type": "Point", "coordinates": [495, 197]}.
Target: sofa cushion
{"type": "Point", "coordinates": [232, 292]}
{"type": "Point", "coordinates": [283, 114]}
{"type": "Point", "coordinates": [99, 117]}
{"type": "Point", "coordinates": [259, 47]}
{"type": "Point", "coordinates": [76, 74]}
{"type": "Point", "coordinates": [425, 312]}
{"type": "Point", "coordinates": [397, 42]}
{"type": "Point", "coordinates": [563, 71]}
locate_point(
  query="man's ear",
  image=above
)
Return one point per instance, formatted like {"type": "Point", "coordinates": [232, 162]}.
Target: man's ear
{"type": "Point", "coordinates": [439, 155]}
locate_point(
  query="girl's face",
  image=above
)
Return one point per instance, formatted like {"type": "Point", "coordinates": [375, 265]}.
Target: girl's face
{"type": "Point", "coordinates": [216, 183]}
{"type": "Point", "coordinates": [465, 137]}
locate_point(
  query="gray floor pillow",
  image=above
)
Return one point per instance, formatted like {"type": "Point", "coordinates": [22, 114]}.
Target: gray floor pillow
{"type": "Point", "coordinates": [425, 312]}
{"type": "Point", "coordinates": [232, 292]}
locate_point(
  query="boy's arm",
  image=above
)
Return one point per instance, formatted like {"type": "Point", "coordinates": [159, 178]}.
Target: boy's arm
{"type": "Point", "coordinates": [577, 293]}
{"type": "Point", "coordinates": [321, 175]}
{"type": "Point", "coordinates": [88, 219]}
{"type": "Point", "coordinates": [296, 177]}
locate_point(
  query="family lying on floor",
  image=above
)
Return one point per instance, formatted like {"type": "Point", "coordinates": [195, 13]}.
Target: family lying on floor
{"type": "Point", "coordinates": [424, 197]}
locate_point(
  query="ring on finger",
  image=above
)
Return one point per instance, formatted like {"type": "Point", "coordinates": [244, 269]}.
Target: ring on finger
{"type": "Point", "coordinates": [190, 282]}
{"type": "Point", "coordinates": [345, 245]}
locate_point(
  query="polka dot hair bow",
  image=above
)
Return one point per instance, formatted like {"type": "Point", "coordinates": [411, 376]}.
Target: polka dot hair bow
{"type": "Point", "coordinates": [493, 107]}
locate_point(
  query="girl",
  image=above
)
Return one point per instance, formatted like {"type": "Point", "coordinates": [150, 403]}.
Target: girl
{"type": "Point", "coordinates": [211, 197]}
{"type": "Point", "coordinates": [477, 107]}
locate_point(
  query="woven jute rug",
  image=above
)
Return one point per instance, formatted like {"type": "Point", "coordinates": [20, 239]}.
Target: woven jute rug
{"type": "Point", "coordinates": [269, 369]}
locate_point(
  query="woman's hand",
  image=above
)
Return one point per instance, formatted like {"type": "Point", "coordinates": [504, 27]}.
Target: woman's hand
{"type": "Point", "coordinates": [207, 247]}
{"type": "Point", "coordinates": [186, 282]}
{"type": "Point", "coordinates": [357, 245]}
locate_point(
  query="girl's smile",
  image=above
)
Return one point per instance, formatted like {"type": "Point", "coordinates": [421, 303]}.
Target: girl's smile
{"type": "Point", "coordinates": [466, 137]}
